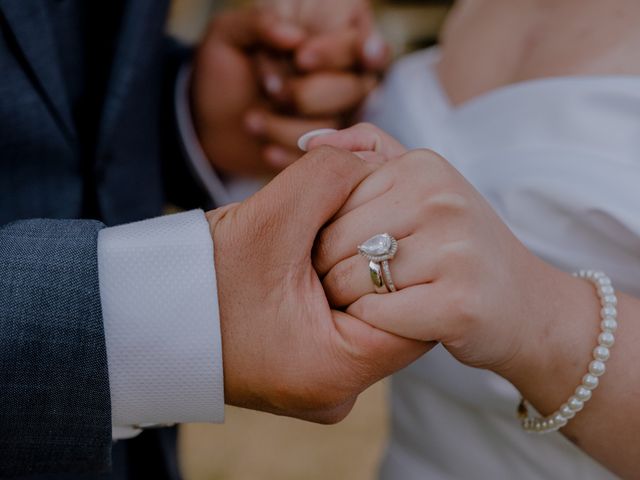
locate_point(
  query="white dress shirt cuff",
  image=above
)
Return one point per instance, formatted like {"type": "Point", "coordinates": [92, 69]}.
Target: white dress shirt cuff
{"type": "Point", "coordinates": [232, 189]}
{"type": "Point", "coordinates": [161, 320]}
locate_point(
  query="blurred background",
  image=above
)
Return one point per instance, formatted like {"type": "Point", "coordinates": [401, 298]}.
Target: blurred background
{"type": "Point", "coordinates": [257, 446]}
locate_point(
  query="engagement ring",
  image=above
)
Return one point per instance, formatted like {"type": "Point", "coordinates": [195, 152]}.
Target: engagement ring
{"type": "Point", "coordinates": [379, 249]}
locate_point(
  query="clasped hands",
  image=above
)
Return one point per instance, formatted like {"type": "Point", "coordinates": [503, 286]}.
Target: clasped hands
{"type": "Point", "coordinates": [303, 331]}
{"type": "Point", "coordinates": [263, 76]}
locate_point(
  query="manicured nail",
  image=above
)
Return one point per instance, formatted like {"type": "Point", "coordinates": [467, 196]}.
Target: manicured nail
{"type": "Point", "coordinates": [374, 47]}
{"type": "Point", "coordinates": [273, 83]}
{"type": "Point", "coordinates": [254, 122]}
{"type": "Point", "coordinates": [303, 141]}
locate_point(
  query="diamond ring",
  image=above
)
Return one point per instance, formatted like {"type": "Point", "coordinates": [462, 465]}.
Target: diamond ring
{"type": "Point", "coordinates": [379, 249]}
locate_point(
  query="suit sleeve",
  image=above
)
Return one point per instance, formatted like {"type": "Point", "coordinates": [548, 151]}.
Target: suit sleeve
{"type": "Point", "coordinates": [55, 411]}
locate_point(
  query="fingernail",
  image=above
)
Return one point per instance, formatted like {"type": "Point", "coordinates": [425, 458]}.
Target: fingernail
{"type": "Point", "coordinates": [374, 47]}
{"type": "Point", "coordinates": [273, 83]}
{"type": "Point", "coordinates": [254, 123]}
{"type": "Point", "coordinates": [303, 141]}
{"type": "Point", "coordinates": [276, 156]}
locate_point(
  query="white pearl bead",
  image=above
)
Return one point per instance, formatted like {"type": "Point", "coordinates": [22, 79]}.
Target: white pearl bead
{"type": "Point", "coordinates": [601, 353]}
{"type": "Point", "coordinates": [606, 339]}
{"type": "Point", "coordinates": [575, 403]}
{"type": "Point", "coordinates": [609, 324]}
{"type": "Point", "coordinates": [566, 412]}
{"type": "Point", "coordinates": [583, 393]}
{"type": "Point", "coordinates": [596, 368]}
{"type": "Point", "coordinates": [608, 312]}
{"type": "Point", "coordinates": [609, 301]}
{"type": "Point", "coordinates": [605, 290]}
{"type": "Point", "coordinates": [603, 281]}
{"type": "Point", "coordinates": [559, 420]}
{"type": "Point", "coordinates": [590, 381]}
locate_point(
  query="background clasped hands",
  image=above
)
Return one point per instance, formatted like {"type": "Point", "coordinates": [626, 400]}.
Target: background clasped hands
{"type": "Point", "coordinates": [263, 76]}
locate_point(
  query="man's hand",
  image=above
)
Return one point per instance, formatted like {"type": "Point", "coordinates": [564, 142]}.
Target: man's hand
{"type": "Point", "coordinates": [285, 351]}
{"type": "Point", "coordinates": [261, 80]}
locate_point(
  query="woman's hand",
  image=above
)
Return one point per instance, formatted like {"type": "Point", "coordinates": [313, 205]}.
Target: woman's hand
{"type": "Point", "coordinates": [463, 278]}
{"type": "Point", "coordinates": [466, 281]}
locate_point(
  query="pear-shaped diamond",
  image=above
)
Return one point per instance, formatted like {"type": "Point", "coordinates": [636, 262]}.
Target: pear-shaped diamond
{"type": "Point", "coordinates": [377, 245]}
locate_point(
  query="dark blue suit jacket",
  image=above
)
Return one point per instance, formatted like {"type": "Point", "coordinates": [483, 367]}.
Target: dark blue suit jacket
{"type": "Point", "coordinates": [75, 144]}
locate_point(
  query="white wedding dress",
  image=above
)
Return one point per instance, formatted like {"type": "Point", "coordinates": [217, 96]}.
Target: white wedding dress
{"type": "Point", "coordinates": [559, 159]}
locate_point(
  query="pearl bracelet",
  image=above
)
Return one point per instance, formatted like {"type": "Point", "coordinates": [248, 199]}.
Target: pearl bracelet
{"type": "Point", "coordinates": [590, 381]}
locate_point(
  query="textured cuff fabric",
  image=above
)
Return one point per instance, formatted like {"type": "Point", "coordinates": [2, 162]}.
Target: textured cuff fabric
{"type": "Point", "coordinates": [55, 414]}
{"type": "Point", "coordinates": [162, 330]}
{"type": "Point", "coordinates": [232, 189]}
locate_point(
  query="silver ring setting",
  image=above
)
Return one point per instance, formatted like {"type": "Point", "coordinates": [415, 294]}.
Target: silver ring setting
{"type": "Point", "coordinates": [379, 249]}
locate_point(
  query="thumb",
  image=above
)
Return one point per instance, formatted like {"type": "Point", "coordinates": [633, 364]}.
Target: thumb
{"type": "Point", "coordinates": [303, 197]}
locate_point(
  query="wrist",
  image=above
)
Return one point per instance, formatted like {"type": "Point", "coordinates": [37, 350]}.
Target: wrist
{"type": "Point", "coordinates": [228, 303]}
{"type": "Point", "coordinates": [557, 344]}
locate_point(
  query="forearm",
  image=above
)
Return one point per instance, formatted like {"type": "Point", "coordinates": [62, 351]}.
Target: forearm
{"type": "Point", "coordinates": [552, 365]}
{"type": "Point", "coordinates": [103, 327]}
{"type": "Point", "coordinates": [54, 385]}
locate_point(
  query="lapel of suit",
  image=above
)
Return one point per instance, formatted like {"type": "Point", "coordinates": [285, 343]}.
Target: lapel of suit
{"type": "Point", "coordinates": [136, 26]}
{"type": "Point", "coordinates": [27, 20]}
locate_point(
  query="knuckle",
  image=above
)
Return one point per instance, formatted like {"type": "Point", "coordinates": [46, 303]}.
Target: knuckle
{"type": "Point", "coordinates": [336, 415]}
{"type": "Point", "coordinates": [332, 167]}
{"type": "Point", "coordinates": [445, 202]}
{"type": "Point", "coordinates": [340, 280]}
{"type": "Point", "coordinates": [361, 309]}
{"type": "Point", "coordinates": [332, 417]}
{"type": "Point", "coordinates": [458, 254]}
{"type": "Point", "coordinates": [462, 306]}
{"type": "Point", "coordinates": [427, 159]}
{"type": "Point", "coordinates": [367, 127]}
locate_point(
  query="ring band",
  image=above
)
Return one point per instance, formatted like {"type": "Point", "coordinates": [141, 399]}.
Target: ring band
{"type": "Point", "coordinates": [379, 249]}
{"type": "Point", "coordinates": [386, 275]}
{"type": "Point", "coordinates": [377, 277]}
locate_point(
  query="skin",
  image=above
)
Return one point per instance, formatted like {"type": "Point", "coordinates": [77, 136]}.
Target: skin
{"type": "Point", "coordinates": [266, 282]}
{"type": "Point", "coordinates": [285, 351]}
{"type": "Point", "coordinates": [491, 43]}
{"type": "Point", "coordinates": [261, 79]}
{"type": "Point", "coordinates": [509, 325]}
{"type": "Point", "coordinates": [467, 282]}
